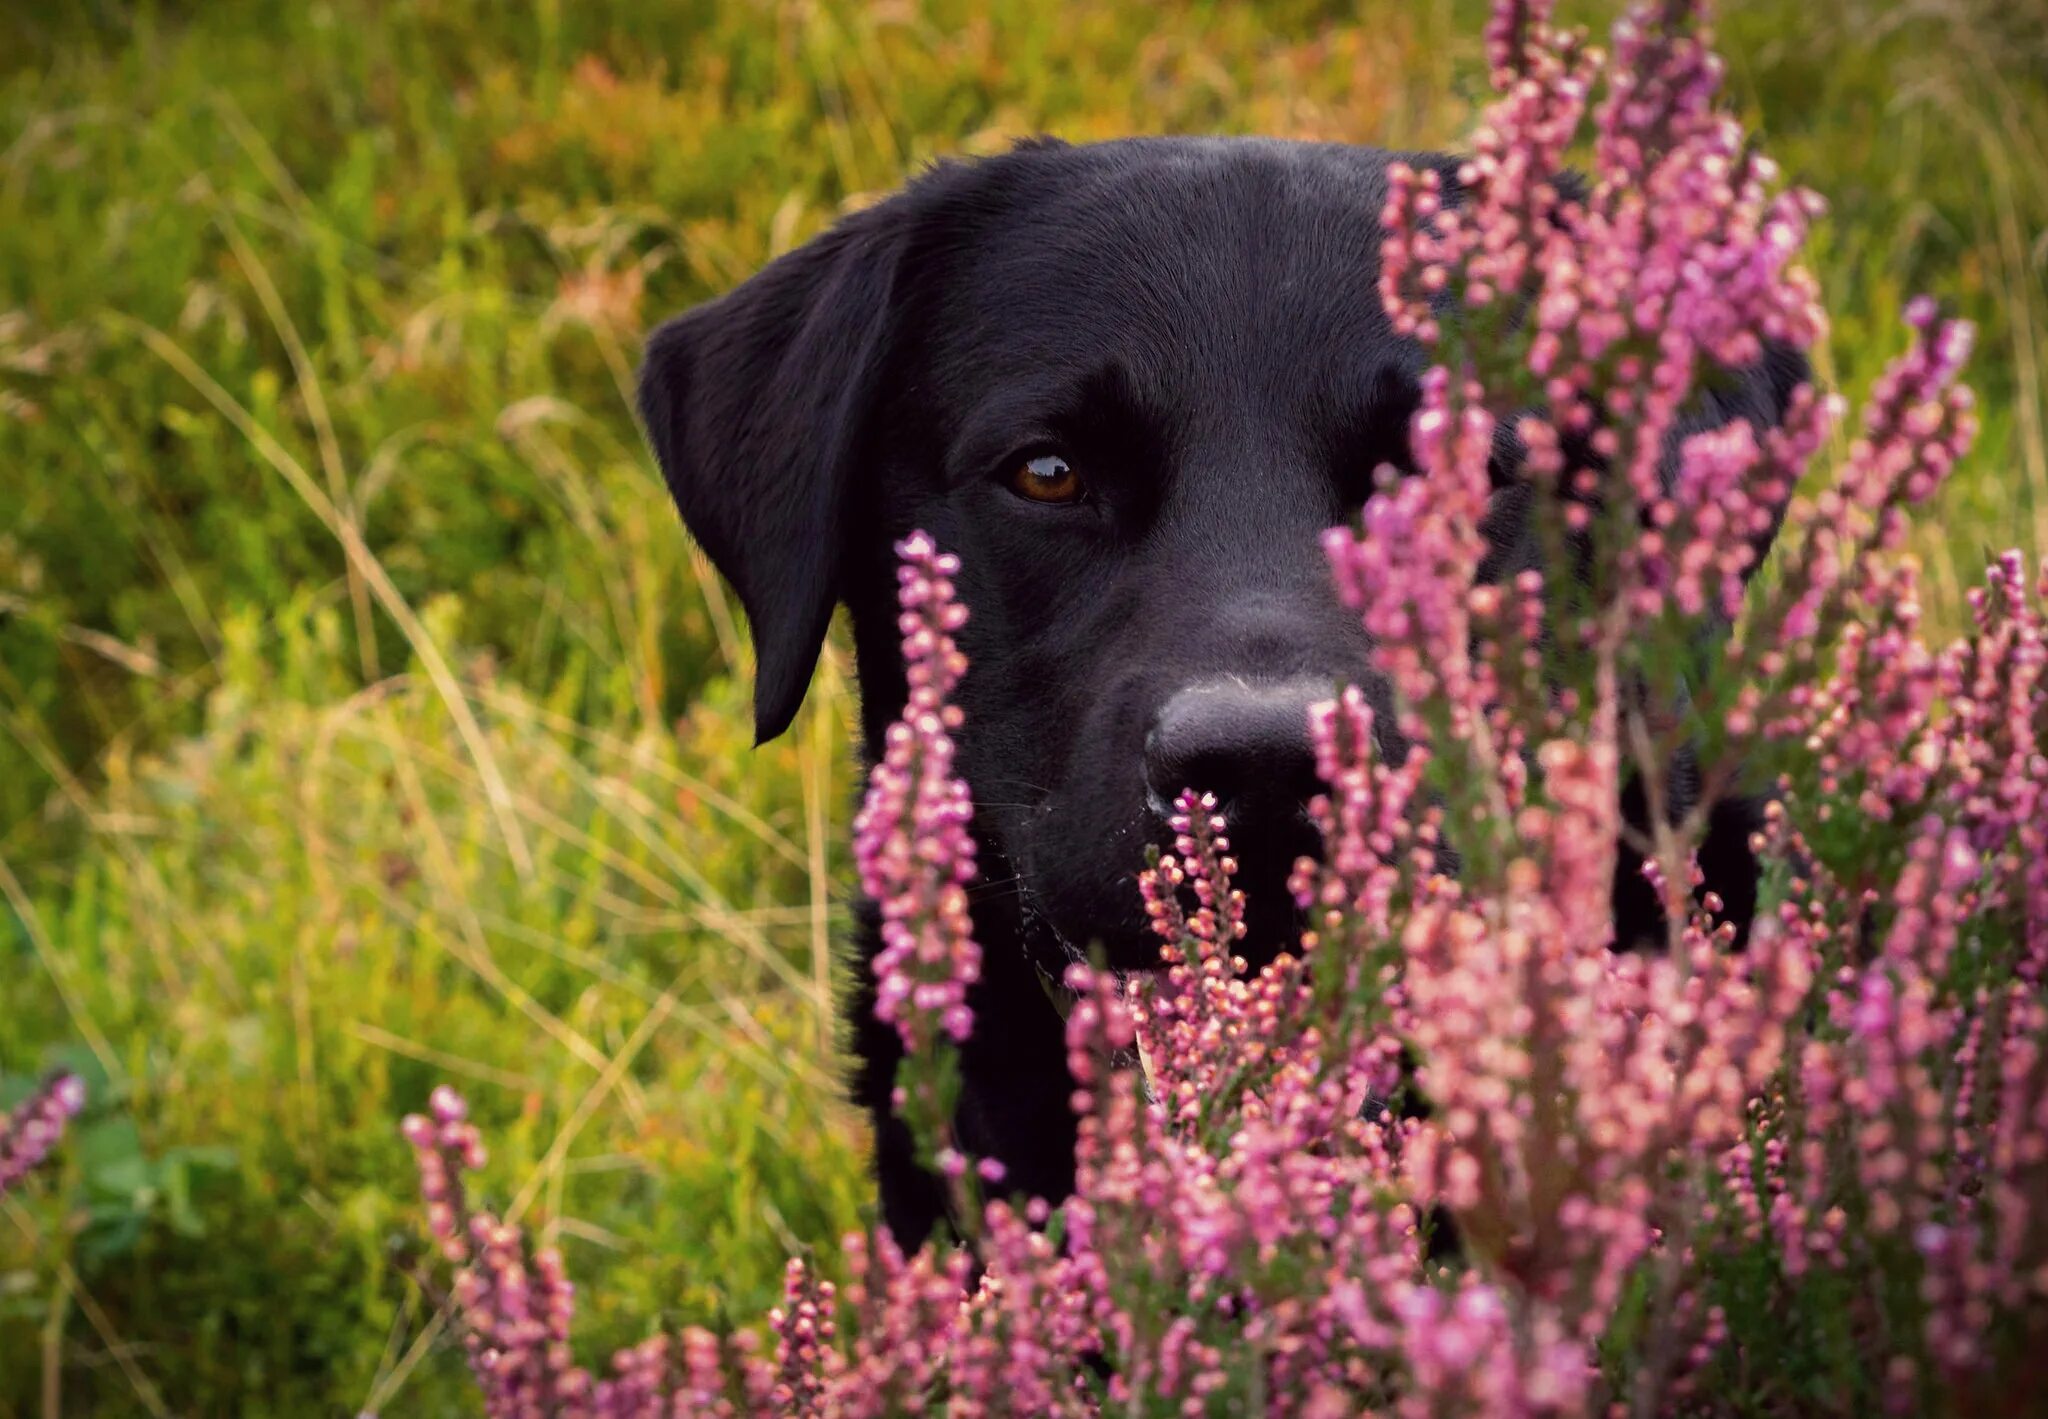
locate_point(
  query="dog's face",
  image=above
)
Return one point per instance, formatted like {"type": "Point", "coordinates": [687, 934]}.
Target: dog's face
{"type": "Point", "coordinates": [1129, 384]}
{"type": "Point", "coordinates": [1142, 389]}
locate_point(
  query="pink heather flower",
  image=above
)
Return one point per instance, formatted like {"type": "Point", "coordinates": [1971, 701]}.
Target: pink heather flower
{"type": "Point", "coordinates": [1365, 818]}
{"type": "Point", "coordinates": [1466, 1357]}
{"type": "Point", "coordinates": [515, 1306]}
{"type": "Point", "coordinates": [1913, 1093]}
{"type": "Point", "coordinates": [1183, 1016]}
{"type": "Point", "coordinates": [906, 1315]}
{"type": "Point", "coordinates": [515, 1303]}
{"type": "Point", "coordinates": [1409, 569]}
{"type": "Point", "coordinates": [911, 837]}
{"type": "Point", "coordinates": [1678, 257]}
{"type": "Point", "coordinates": [804, 1330]}
{"type": "Point", "coordinates": [29, 1133]}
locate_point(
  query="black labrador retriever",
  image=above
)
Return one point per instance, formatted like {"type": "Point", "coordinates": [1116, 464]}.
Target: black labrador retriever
{"type": "Point", "coordinates": [1129, 383]}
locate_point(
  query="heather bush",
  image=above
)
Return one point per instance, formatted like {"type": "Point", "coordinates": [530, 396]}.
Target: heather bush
{"type": "Point", "coordinates": [1809, 1174]}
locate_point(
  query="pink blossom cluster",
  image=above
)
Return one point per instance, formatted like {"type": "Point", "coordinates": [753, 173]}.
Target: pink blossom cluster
{"type": "Point", "coordinates": [1597, 1118]}
{"type": "Point", "coordinates": [1914, 1116]}
{"type": "Point", "coordinates": [915, 855]}
{"type": "Point", "coordinates": [29, 1133]}
{"type": "Point", "coordinates": [1461, 1152]}
{"type": "Point", "coordinates": [1408, 568]}
{"type": "Point", "coordinates": [1676, 259]}
{"type": "Point", "coordinates": [911, 836]}
{"type": "Point", "coordinates": [1918, 422]}
{"type": "Point", "coordinates": [1571, 1082]}
{"type": "Point", "coordinates": [515, 1304]}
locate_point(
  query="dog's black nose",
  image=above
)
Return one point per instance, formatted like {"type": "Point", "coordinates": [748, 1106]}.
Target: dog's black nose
{"type": "Point", "coordinates": [1246, 743]}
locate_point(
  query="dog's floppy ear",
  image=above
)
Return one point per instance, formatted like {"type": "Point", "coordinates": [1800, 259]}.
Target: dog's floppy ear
{"type": "Point", "coordinates": [756, 404]}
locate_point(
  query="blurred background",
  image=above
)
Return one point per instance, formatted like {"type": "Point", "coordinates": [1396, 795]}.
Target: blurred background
{"type": "Point", "coordinates": [367, 721]}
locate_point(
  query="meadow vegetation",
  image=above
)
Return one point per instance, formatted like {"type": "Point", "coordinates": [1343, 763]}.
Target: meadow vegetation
{"type": "Point", "coordinates": [366, 720]}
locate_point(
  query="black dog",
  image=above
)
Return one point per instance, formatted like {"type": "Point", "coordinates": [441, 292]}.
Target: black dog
{"type": "Point", "coordinates": [1129, 383]}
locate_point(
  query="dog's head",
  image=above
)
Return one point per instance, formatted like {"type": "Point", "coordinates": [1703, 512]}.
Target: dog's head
{"type": "Point", "coordinates": [1130, 384]}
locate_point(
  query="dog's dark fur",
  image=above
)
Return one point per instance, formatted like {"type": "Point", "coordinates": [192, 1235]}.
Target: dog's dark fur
{"type": "Point", "coordinates": [1193, 325]}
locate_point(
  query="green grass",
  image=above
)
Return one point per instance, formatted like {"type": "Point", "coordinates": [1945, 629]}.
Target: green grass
{"type": "Point", "coordinates": [366, 720]}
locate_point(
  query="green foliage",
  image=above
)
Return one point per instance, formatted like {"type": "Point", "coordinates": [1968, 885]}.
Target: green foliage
{"type": "Point", "coordinates": [273, 276]}
{"type": "Point", "coordinates": [296, 923]}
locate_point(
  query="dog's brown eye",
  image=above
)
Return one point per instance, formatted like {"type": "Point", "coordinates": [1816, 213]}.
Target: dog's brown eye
{"type": "Point", "coordinates": [1047, 478]}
